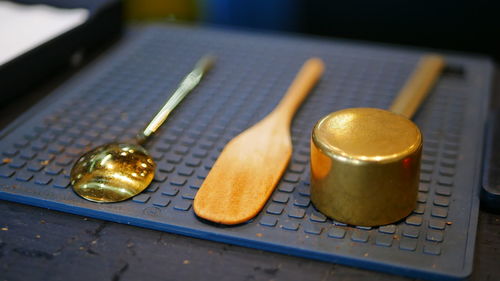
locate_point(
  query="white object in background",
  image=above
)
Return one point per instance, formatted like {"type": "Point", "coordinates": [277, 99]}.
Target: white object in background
{"type": "Point", "coordinates": [25, 27]}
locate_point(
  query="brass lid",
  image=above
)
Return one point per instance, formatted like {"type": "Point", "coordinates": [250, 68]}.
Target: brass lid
{"type": "Point", "coordinates": [367, 135]}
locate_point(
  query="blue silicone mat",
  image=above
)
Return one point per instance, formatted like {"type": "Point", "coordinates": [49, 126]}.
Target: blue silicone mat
{"type": "Point", "coordinates": [119, 93]}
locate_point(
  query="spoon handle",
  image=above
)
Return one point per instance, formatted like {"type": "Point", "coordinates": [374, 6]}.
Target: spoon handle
{"type": "Point", "coordinates": [418, 85]}
{"type": "Point", "coordinates": [188, 83]}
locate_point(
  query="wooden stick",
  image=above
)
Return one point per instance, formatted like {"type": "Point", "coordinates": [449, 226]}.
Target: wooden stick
{"type": "Point", "coordinates": [418, 85]}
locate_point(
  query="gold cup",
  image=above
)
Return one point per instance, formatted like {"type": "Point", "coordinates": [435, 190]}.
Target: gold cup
{"type": "Point", "coordinates": [365, 165]}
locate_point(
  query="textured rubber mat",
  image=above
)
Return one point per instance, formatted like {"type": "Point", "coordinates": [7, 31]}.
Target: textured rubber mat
{"type": "Point", "coordinates": [117, 95]}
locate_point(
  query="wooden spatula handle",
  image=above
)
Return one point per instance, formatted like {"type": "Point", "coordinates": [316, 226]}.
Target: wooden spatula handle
{"type": "Point", "coordinates": [301, 86]}
{"type": "Point", "coordinates": [418, 85]}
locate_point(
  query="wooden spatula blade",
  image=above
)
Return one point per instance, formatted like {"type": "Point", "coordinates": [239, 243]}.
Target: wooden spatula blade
{"type": "Point", "coordinates": [243, 178]}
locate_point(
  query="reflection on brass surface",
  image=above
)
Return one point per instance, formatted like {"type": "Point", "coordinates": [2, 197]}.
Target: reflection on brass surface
{"type": "Point", "coordinates": [365, 165]}
{"type": "Point", "coordinates": [112, 173]}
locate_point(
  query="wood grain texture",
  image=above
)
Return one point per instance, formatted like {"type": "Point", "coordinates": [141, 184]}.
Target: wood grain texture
{"type": "Point", "coordinates": [250, 166]}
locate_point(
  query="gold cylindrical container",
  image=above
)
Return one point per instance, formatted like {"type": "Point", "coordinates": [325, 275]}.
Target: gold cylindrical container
{"type": "Point", "coordinates": [365, 166]}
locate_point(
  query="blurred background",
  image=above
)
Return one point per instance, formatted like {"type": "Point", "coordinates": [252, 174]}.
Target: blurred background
{"type": "Point", "coordinates": [470, 26]}
{"type": "Point", "coordinates": [456, 25]}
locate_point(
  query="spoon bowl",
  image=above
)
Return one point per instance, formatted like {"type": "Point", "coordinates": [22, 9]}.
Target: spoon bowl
{"type": "Point", "coordinates": [113, 172]}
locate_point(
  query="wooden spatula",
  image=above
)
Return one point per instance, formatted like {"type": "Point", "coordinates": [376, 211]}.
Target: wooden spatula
{"type": "Point", "coordinates": [250, 166]}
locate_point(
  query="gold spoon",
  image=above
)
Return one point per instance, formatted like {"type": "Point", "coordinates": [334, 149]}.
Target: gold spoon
{"type": "Point", "coordinates": [117, 171]}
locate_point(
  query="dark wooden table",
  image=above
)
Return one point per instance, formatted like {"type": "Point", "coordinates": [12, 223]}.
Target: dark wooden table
{"type": "Point", "coordinates": [40, 244]}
